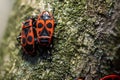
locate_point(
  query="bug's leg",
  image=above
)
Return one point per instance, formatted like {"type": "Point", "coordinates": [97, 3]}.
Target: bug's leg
{"type": "Point", "coordinates": [34, 20]}
{"type": "Point", "coordinates": [56, 22]}
{"type": "Point", "coordinates": [27, 17]}
{"type": "Point", "coordinates": [49, 51]}
{"type": "Point", "coordinates": [23, 55]}
{"type": "Point", "coordinates": [18, 40]}
{"type": "Point", "coordinates": [56, 38]}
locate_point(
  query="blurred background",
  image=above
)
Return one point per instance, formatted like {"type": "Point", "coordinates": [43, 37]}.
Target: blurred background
{"type": "Point", "coordinates": [5, 8]}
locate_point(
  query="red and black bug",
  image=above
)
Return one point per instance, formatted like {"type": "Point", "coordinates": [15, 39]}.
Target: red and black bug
{"type": "Point", "coordinates": [37, 33]}
{"type": "Point", "coordinates": [111, 77]}
{"type": "Point", "coordinates": [27, 37]}
{"type": "Point", "coordinates": [45, 28]}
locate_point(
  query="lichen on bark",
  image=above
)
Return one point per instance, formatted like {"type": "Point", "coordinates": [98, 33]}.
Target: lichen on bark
{"type": "Point", "coordinates": [86, 44]}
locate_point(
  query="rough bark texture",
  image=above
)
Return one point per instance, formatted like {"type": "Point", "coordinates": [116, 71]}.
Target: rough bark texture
{"type": "Point", "coordinates": [87, 43]}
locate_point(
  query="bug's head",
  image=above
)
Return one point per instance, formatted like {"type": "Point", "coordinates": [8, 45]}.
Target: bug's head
{"type": "Point", "coordinates": [46, 15]}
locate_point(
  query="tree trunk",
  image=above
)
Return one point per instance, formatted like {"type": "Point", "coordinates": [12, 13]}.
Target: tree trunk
{"type": "Point", "coordinates": [87, 42]}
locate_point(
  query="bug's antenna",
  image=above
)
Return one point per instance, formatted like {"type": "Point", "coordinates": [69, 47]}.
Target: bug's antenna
{"type": "Point", "coordinates": [53, 11]}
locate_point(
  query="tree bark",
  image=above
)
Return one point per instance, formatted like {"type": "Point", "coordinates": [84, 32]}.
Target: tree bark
{"type": "Point", "coordinates": [87, 43]}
